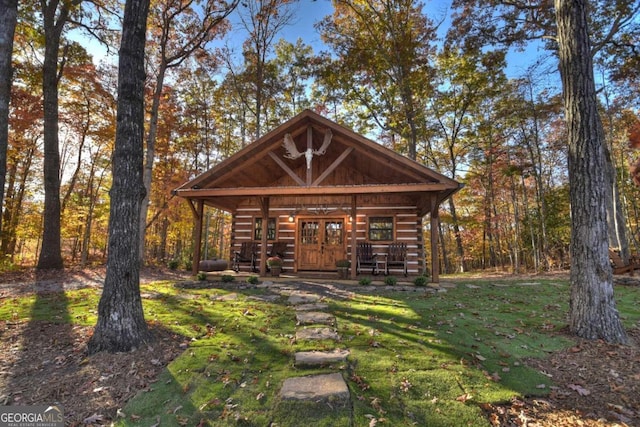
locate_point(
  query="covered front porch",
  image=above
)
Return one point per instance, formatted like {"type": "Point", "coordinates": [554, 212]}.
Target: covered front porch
{"type": "Point", "coordinates": [324, 191]}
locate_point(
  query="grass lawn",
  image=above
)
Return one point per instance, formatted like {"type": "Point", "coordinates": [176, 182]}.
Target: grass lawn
{"type": "Point", "coordinates": [417, 358]}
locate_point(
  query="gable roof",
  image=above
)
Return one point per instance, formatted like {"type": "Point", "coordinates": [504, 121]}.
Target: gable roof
{"type": "Point", "coordinates": [351, 164]}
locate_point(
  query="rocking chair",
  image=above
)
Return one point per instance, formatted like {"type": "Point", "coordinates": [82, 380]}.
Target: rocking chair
{"type": "Point", "coordinates": [397, 257]}
{"type": "Point", "coordinates": [366, 258]}
{"type": "Point", "coordinates": [278, 249]}
{"type": "Point", "coordinates": [246, 255]}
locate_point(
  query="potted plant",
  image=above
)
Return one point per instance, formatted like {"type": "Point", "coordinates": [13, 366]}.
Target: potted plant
{"type": "Point", "coordinates": [275, 265]}
{"type": "Point", "coordinates": [343, 268]}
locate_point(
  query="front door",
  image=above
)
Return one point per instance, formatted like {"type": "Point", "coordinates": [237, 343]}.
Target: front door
{"type": "Point", "coordinates": [320, 243]}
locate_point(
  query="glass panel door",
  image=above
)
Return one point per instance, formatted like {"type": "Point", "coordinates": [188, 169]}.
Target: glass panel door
{"type": "Point", "coordinates": [320, 243]}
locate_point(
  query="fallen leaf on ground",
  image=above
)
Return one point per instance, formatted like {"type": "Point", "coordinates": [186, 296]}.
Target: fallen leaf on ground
{"type": "Point", "coordinates": [579, 389]}
{"type": "Point", "coordinates": [463, 398]}
{"type": "Point", "coordinates": [95, 418]}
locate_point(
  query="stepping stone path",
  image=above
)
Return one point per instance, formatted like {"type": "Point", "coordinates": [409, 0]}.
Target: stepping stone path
{"type": "Point", "coordinates": [315, 387]}
{"type": "Point", "coordinates": [321, 358]}
{"type": "Point", "coordinates": [315, 318]}
{"type": "Point", "coordinates": [315, 394]}
{"type": "Point", "coordinates": [317, 334]}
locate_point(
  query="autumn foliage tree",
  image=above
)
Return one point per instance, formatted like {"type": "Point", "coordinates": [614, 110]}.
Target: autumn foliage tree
{"type": "Point", "coordinates": [383, 51]}
{"type": "Point", "coordinates": [178, 30]}
{"type": "Point", "coordinates": [634, 142]}
{"type": "Point", "coordinates": [593, 312]}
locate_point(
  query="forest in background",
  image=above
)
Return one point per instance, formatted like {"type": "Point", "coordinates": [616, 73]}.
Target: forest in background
{"type": "Point", "coordinates": [445, 102]}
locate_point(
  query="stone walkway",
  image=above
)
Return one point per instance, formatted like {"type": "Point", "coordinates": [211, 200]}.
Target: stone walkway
{"type": "Point", "coordinates": [319, 395]}
{"type": "Point", "coordinates": [313, 396]}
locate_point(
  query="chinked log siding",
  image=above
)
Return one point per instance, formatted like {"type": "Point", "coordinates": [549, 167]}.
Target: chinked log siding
{"type": "Point", "coordinates": [407, 229]}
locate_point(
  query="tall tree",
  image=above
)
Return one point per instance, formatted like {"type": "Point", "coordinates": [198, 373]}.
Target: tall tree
{"type": "Point", "coordinates": [294, 63]}
{"type": "Point", "coordinates": [263, 20]}
{"type": "Point", "coordinates": [464, 79]}
{"type": "Point", "coordinates": [593, 310]}
{"type": "Point", "coordinates": [121, 325]}
{"type": "Point", "coordinates": [55, 14]}
{"type": "Point", "coordinates": [383, 50]}
{"type": "Point", "coordinates": [181, 28]}
{"type": "Point", "coordinates": [534, 110]}
{"type": "Point", "coordinates": [8, 19]}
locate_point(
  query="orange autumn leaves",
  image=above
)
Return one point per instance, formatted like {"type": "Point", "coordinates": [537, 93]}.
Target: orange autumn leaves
{"type": "Point", "coordinates": [634, 142]}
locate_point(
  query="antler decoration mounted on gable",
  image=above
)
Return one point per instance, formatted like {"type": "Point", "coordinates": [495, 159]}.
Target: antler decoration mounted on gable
{"type": "Point", "coordinates": [293, 153]}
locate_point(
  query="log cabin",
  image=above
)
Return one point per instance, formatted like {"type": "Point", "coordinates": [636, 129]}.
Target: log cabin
{"type": "Point", "coordinates": [322, 189]}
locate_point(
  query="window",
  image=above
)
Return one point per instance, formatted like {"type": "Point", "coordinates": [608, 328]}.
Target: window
{"type": "Point", "coordinates": [381, 228]}
{"type": "Point", "coordinates": [309, 232]}
{"type": "Point", "coordinates": [333, 232]}
{"type": "Point", "coordinates": [271, 229]}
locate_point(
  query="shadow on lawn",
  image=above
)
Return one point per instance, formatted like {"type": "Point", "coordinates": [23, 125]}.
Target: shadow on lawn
{"type": "Point", "coordinates": [229, 357]}
{"type": "Point", "coordinates": [49, 329]}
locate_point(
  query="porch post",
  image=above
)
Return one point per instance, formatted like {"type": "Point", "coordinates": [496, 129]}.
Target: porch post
{"type": "Point", "coordinates": [264, 204]}
{"type": "Point", "coordinates": [198, 214]}
{"type": "Point", "coordinates": [354, 230]}
{"type": "Point", "coordinates": [423, 245]}
{"type": "Point", "coordinates": [435, 221]}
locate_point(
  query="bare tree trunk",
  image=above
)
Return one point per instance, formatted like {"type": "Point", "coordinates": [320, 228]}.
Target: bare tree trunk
{"type": "Point", "coordinates": [8, 18]}
{"type": "Point", "coordinates": [121, 325]}
{"type": "Point", "coordinates": [8, 232]}
{"type": "Point", "coordinates": [92, 192]}
{"type": "Point", "coordinates": [533, 147]}
{"type": "Point", "coordinates": [593, 313]}
{"type": "Point", "coordinates": [54, 20]}
{"type": "Point", "coordinates": [79, 166]}
{"type": "Point", "coordinates": [462, 267]}
{"type": "Point", "coordinates": [16, 189]}
{"type": "Point", "coordinates": [529, 128]}
{"type": "Point", "coordinates": [150, 156]}
{"type": "Point", "coordinates": [615, 215]}
{"type": "Point", "coordinates": [516, 232]}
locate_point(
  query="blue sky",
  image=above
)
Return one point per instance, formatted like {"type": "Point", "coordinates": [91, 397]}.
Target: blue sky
{"type": "Point", "coordinates": [308, 12]}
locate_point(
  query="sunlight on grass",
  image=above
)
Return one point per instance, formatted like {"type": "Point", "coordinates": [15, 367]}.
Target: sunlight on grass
{"type": "Point", "coordinates": [415, 358]}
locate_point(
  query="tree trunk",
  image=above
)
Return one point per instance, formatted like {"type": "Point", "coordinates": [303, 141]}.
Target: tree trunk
{"type": "Point", "coordinates": [16, 188]}
{"type": "Point", "coordinates": [8, 18]}
{"type": "Point", "coordinates": [71, 189]}
{"type": "Point", "coordinates": [462, 266]}
{"type": "Point", "coordinates": [121, 325]}
{"type": "Point", "coordinates": [593, 313]}
{"type": "Point", "coordinates": [616, 218]}
{"type": "Point", "coordinates": [50, 253]}
{"type": "Point", "coordinates": [7, 233]}
{"type": "Point", "coordinates": [150, 156]}
{"type": "Point", "coordinates": [92, 191]}
{"type": "Point", "coordinates": [533, 148]}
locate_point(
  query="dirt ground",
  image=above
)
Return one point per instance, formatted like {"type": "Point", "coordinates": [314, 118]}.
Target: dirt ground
{"type": "Point", "coordinates": [597, 384]}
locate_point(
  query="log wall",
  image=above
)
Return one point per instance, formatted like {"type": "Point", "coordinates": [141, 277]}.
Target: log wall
{"type": "Point", "coordinates": [407, 226]}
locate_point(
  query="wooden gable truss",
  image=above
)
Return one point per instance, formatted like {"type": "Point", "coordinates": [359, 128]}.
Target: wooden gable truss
{"type": "Point", "coordinates": [311, 165]}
